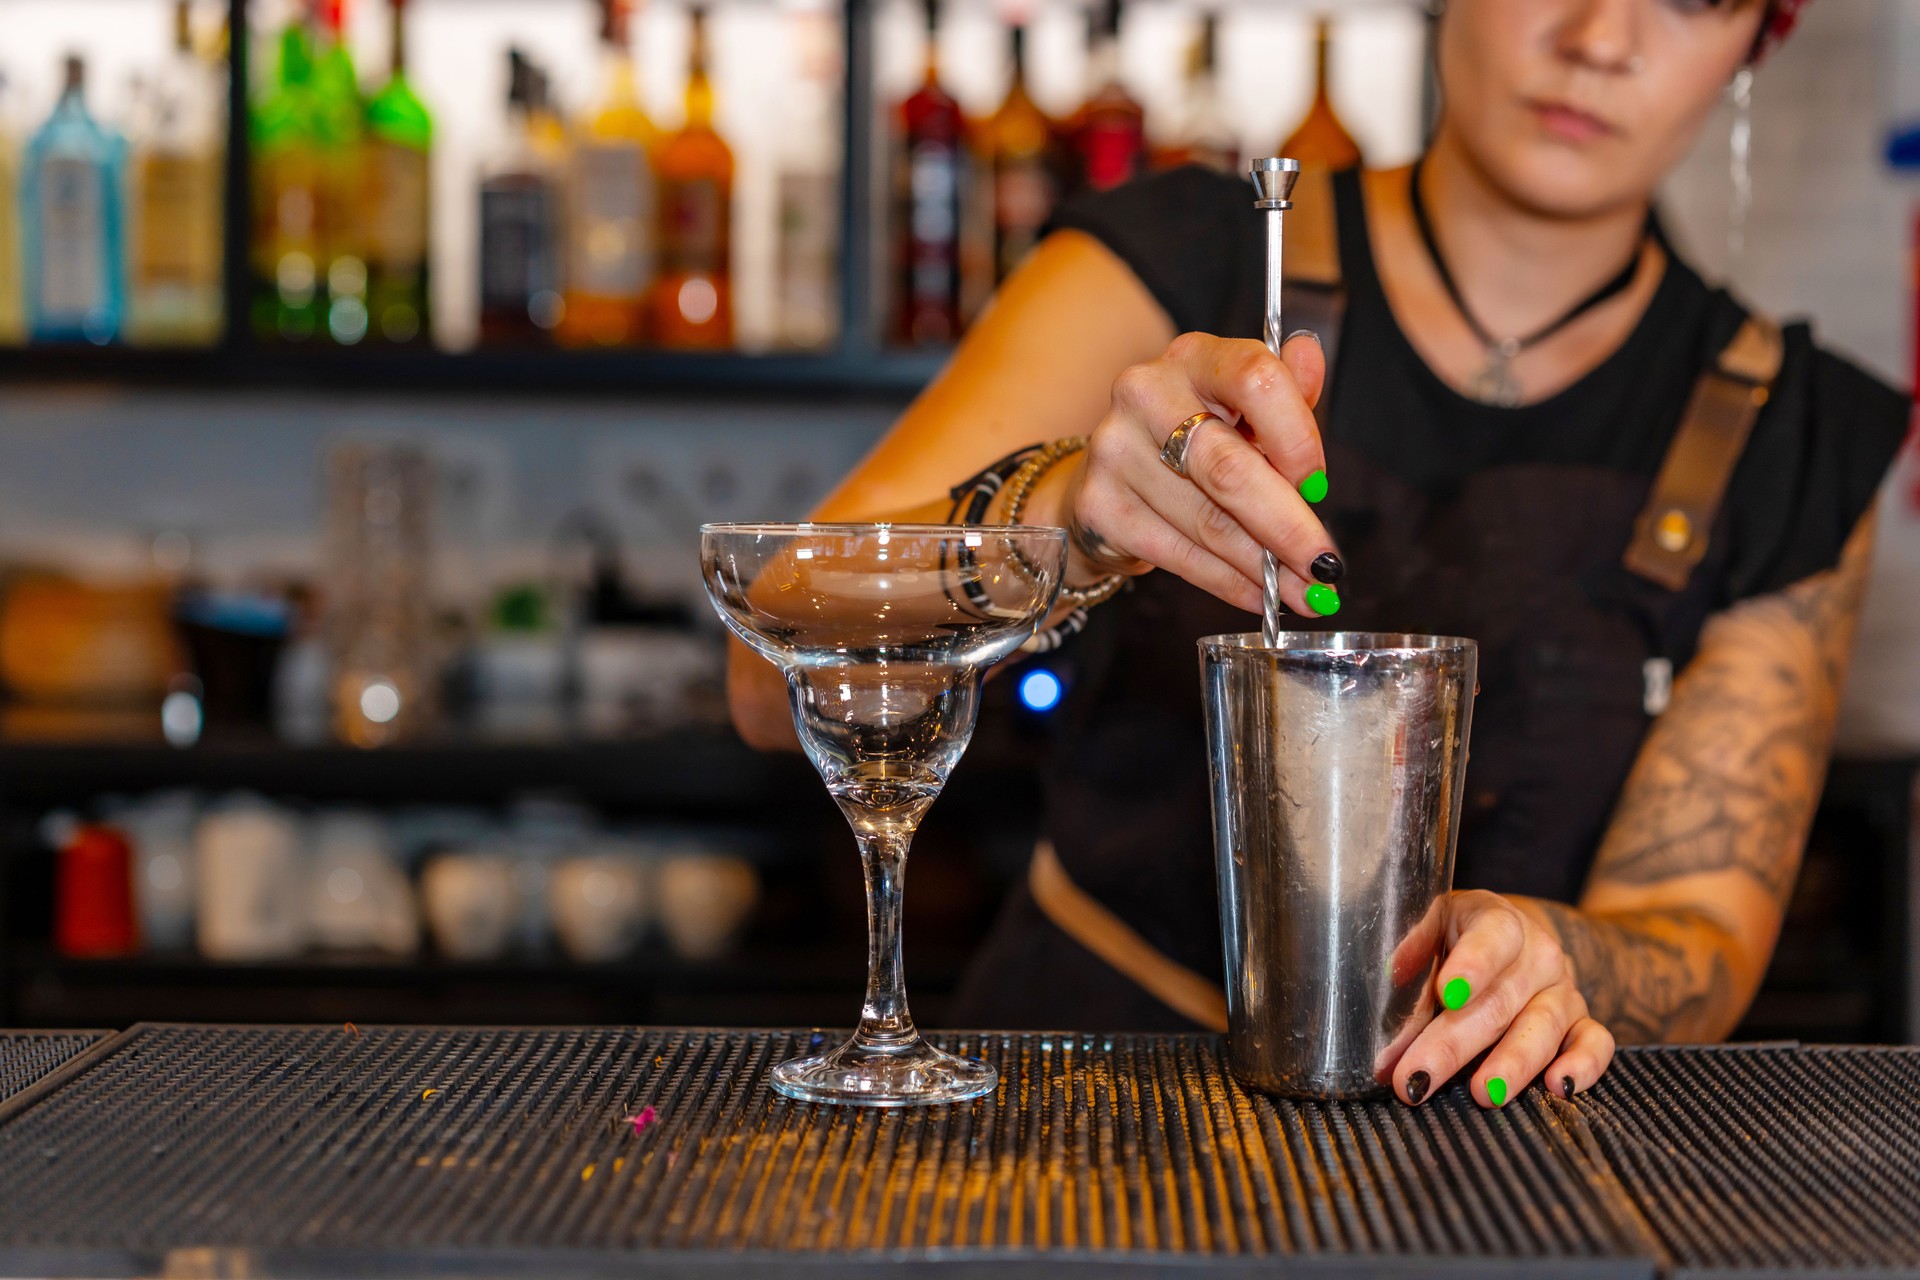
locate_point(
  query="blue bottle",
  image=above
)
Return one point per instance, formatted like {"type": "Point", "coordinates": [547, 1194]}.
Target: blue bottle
{"type": "Point", "coordinates": [72, 223]}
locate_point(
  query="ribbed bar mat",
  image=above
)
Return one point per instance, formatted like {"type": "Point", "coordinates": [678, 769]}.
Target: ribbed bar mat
{"type": "Point", "coordinates": [305, 1150]}
{"type": "Point", "coordinates": [1769, 1160]}
{"type": "Point", "coordinates": [26, 1056]}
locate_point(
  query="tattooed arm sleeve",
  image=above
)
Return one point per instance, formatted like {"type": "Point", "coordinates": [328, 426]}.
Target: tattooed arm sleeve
{"type": "Point", "coordinates": [1683, 905]}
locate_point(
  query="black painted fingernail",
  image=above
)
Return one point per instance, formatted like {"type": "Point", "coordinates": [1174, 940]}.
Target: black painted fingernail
{"type": "Point", "coordinates": [1329, 568]}
{"type": "Point", "coordinates": [1417, 1087]}
{"type": "Point", "coordinates": [1566, 1087]}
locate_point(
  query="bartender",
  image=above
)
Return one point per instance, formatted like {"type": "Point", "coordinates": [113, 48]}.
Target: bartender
{"type": "Point", "coordinates": [1542, 429]}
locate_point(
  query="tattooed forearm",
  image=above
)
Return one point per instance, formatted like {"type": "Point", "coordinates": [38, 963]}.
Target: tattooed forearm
{"type": "Point", "coordinates": [1650, 976]}
{"type": "Point", "coordinates": [1729, 776]}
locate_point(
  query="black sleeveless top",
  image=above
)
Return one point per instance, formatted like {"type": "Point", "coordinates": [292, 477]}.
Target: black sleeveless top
{"type": "Point", "coordinates": [1506, 525]}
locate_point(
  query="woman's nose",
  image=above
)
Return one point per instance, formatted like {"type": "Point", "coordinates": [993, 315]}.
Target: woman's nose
{"type": "Point", "coordinates": [1602, 35]}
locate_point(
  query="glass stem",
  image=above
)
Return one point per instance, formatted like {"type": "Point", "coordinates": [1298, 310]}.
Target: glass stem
{"type": "Point", "coordinates": [885, 1023]}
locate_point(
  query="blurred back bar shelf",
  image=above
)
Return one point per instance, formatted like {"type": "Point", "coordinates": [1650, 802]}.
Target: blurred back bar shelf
{"type": "Point", "coordinates": [805, 196]}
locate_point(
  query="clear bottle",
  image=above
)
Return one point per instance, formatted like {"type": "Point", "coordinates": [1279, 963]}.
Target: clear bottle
{"type": "Point", "coordinates": [396, 204]}
{"type": "Point", "coordinates": [808, 254]}
{"type": "Point", "coordinates": [174, 259]}
{"type": "Point", "coordinates": [610, 202]}
{"type": "Point", "coordinates": [289, 287]}
{"type": "Point", "coordinates": [691, 302]}
{"type": "Point", "coordinates": [13, 328]}
{"type": "Point", "coordinates": [1017, 141]}
{"type": "Point", "coordinates": [1205, 136]}
{"type": "Point", "coordinates": [1321, 138]}
{"type": "Point", "coordinates": [73, 223]}
{"type": "Point", "coordinates": [1109, 131]}
{"type": "Point", "coordinates": [930, 188]}
{"type": "Point", "coordinates": [520, 300]}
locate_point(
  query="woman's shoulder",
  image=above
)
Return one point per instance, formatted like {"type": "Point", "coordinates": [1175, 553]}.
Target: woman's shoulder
{"type": "Point", "coordinates": [1819, 452]}
{"type": "Point", "coordinates": [1188, 234]}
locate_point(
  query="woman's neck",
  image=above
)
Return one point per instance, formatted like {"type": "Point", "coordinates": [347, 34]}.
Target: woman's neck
{"type": "Point", "coordinates": [1518, 268]}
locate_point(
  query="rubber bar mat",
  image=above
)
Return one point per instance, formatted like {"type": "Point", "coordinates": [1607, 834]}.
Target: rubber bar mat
{"type": "Point", "coordinates": [375, 1151]}
{"type": "Point", "coordinates": [26, 1056]}
{"type": "Point", "coordinates": [1769, 1160]}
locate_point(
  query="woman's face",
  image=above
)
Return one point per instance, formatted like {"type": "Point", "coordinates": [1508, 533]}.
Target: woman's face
{"type": "Point", "coordinates": [1576, 107]}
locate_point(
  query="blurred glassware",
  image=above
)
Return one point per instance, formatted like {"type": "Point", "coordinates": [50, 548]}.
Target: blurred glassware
{"type": "Point", "coordinates": [289, 288]}
{"type": "Point", "coordinates": [1108, 132]}
{"type": "Point", "coordinates": [13, 324]}
{"type": "Point", "coordinates": [1205, 135]}
{"type": "Point", "coordinates": [807, 231]}
{"type": "Point", "coordinates": [174, 269]}
{"type": "Point", "coordinates": [339, 131]}
{"type": "Point", "coordinates": [1018, 142]}
{"type": "Point", "coordinates": [93, 914]}
{"type": "Point", "coordinates": [691, 302]}
{"type": "Point", "coordinates": [378, 592]}
{"type": "Point", "coordinates": [1321, 139]}
{"type": "Point", "coordinates": [540, 832]}
{"type": "Point", "coordinates": [395, 199]}
{"type": "Point", "coordinates": [234, 640]}
{"type": "Point", "coordinates": [73, 223]}
{"type": "Point", "coordinates": [520, 211]}
{"type": "Point", "coordinates": [929, 193]}
{"type": "Point", "coordinates": [250, 871]}
{"type": "Point", "coordinates": [471, 904]}
{"type": "Point", "coordinates": [63, 641]}
{"type": "Point", "coordinates": [360, 900]}
{"type": "Point", "coordinates": [704, 899]}
{"type": "Point", "coordinates": [161, 829]}
{"type": "Point", "coordinates": [610, 202]}
{"type": "Point", "coordinates": [599, 903]}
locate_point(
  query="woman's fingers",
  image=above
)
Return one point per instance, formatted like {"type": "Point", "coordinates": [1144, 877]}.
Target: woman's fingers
{"type": "Point", "coordinates": [1485, 937]}
{"type": "Point", "coordinates": [1585, 1054]}
{"type": "Point", "coordinates": [1240, 379]}
{"type": "Point", "coordinates": [1234, 475]}
{"type": "Point", "coordinates": [1531, 1042]}
{"type": "Point", "coordinates": [1120, 519]}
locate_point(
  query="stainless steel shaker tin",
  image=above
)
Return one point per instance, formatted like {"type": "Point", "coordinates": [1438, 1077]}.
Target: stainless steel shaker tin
{"type": "Point", "coordinates": [1337, 763]}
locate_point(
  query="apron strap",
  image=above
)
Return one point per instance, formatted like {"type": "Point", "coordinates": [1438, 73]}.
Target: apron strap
{"type": "Point", "coordinates": [1081, 917]}
{"type": "Point", "coordinates": [1671, 533]}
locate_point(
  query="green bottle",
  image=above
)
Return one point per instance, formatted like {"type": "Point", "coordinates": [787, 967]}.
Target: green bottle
{"type": "Point", "coordinates": [289, 294]}
{"type": "Point", "coordinates": [396, 204]}
{"type": "Point", "coordinates": [338, 114]}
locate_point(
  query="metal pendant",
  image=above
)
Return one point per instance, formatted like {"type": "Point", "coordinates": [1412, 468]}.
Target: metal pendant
{"type": "Point", "coordinates": [1495, 384]}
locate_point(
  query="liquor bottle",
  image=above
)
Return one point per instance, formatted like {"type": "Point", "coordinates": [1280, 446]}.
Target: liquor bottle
{"type": "Point", "coordinates": [808, 195]}
{"type": "Point", "coordinates": [610, 203]}
{"type": "Point", "coordinates": [395, 204]}
{"type": "Point", "coordinates": [520, 302]}
{"type": "Point", "coordinates": [289, 291]}
{"type": "Point", "coordinates": [72, 232]}
{"type": "Point", "coordinates": [12, 323]}
{"type": "Point", "coordinates": [1109, 131]}
{"type": "Point", "coordinates": [1320, 139]}
{"type": "Point", "coordinates": [339, 116]}
{"type": "Point", "coordinates": [1016, 140]}
{"type": "Point", "coordinates": [1205, 137]}
{"type": "Point", "coordinates": [174, 263]}
{"type": "Point", "coordinates": [930, 172]}
{"type": "Point", "coordinates": [691, 303]}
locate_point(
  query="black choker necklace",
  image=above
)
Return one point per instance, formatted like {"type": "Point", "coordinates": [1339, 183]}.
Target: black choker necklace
{"type": "Point", "coordinates": [1495, 384]}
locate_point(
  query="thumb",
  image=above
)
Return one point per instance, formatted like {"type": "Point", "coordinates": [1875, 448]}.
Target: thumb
{"type": "Point", "coordinates": [1307, 361]}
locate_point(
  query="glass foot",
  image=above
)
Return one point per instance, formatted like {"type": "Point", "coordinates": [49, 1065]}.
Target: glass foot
{"type": "Point", "coordinates": [914, 1074]}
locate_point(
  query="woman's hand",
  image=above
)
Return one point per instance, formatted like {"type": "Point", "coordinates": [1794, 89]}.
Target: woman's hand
{"type": "Point", "coordinates": [1127, 511]}
{"type": "Point", "coordinates": [1508, 990]}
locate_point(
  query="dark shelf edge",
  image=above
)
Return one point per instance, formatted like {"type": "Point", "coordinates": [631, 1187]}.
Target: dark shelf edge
{"type": "Point", "coordinates": [883, 374]}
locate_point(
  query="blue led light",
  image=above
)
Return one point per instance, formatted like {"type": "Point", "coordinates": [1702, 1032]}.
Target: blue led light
{"type": "Point", "coordinates": [1040, 690]}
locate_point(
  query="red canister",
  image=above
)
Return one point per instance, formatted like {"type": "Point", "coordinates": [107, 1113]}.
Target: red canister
{"type": "Point", "coordinates": [93, 895]}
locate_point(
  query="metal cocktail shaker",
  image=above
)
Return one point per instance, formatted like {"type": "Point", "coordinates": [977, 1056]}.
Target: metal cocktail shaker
{"type": "Point", "coordinates": [1337, 761]}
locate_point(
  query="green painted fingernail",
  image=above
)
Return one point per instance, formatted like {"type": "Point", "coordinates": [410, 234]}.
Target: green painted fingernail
{"type": "Point", "coordinates": [1497, 1091]}
{"type": "Point", "coordinates": [1455, 994]}
{"type": "Point", "coordinates": [1314, 487]}
{"type": "Point", "coordinates": [1323, 599]}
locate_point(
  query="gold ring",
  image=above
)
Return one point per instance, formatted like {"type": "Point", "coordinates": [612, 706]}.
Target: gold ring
{"type": "Point", "coordinates": [1174, 451]}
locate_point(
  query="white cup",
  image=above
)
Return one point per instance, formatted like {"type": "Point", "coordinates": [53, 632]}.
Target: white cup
{"type": "Point", "coordinates": [704, 899]}
{"type": "Point", "coordinates": [598, 903]}
{"type": "Point", "coordinates": [472, 904]}
{"type": "Point", "coordinates": [359, 899]}
{"type": "Point", "coordinates": [250, 873]}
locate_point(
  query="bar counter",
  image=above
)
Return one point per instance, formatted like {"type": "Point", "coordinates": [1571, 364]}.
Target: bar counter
{"type": "Point", "coordinates": [392, 1151]}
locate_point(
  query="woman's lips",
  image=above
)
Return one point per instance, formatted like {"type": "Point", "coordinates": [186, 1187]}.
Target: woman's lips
{"type": "Point", "coordinates": [1570, 124]}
